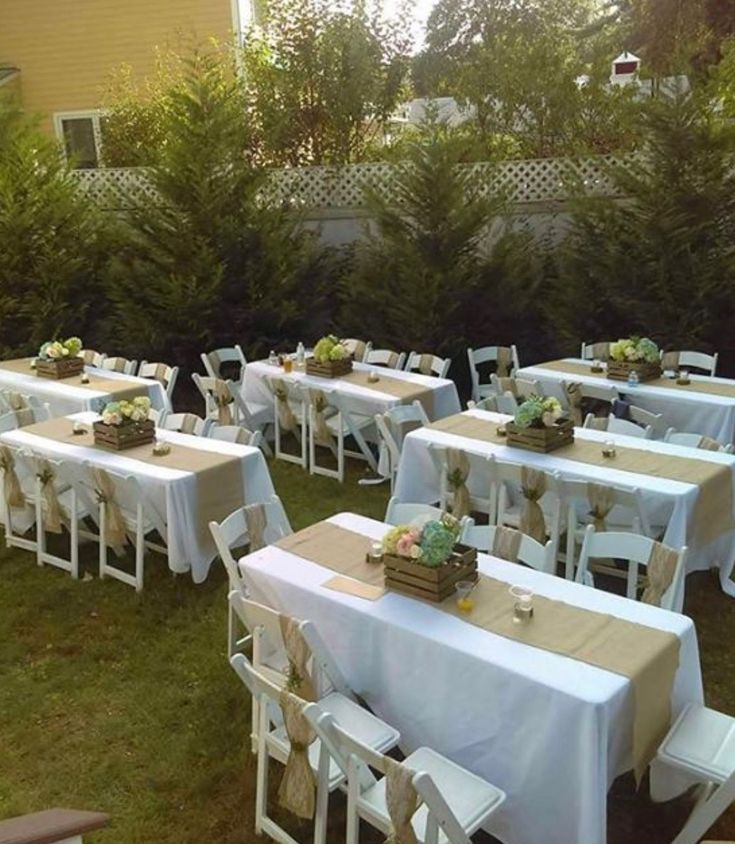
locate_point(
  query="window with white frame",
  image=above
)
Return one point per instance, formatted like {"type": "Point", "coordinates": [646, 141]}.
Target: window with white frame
{"type": "Point", "coordinates": [81, 134]}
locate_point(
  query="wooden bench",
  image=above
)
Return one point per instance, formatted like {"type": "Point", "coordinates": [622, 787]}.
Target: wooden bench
{"type": "Point", "coordinates": [54, 826]}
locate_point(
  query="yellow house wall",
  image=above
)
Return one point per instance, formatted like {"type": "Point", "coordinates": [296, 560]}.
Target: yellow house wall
{"type": "Point", "coordinates": [67, 49]}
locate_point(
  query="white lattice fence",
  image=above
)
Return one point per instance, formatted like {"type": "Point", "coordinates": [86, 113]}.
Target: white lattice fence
{"type": "Point", "coordinates": [322, 188]}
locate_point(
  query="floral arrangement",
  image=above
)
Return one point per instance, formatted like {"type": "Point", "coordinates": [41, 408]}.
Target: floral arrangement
{"type": "Point", "coordinates": [635, 350]}
{"type": "Point", "coordinates": [538, 412]}
{"type": "Point", "coordinates": [125, 412]}
{"type": "Point", "coordinates": [58, 349]}
{"type": "Point", "coordinates": [329, 348]}
{"type": "Point", "coordinates": [430, 544]}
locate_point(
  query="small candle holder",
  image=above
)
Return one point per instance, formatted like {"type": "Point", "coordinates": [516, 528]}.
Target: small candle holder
{"type": "Point", "coordinates": [465, 601]}
{"type": "Point", "coordinates": [375, 554]}
{"type": "Point", "coordinates": [287, 364]}
{"type": "Point", "coordinates": [683, 377]}
{"type": "Point", "coordinates": [373, 377]}
{"type": "Point", "coordinates": [161, 449]}
{"type": "Point", "coordinates": [85, 378]}
{"type": "Point", "coordinates": [501, 431]}
{"type": "Point", "coordinates": [597, 366]}
{"type": "Point", "coordinates": [33, 363]}
{"type": "Point", "coordinates": [79, 428]}
{"type": "Point", "coordinates": [523, 607]}
{"type": "Point", "coordinates": [608, 449]}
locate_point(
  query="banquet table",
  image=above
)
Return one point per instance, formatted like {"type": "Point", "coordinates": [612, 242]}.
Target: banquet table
{"type": "Point", "coordinates": [669, 503]}
{"type": "Point", "coordinates": [172, 492]}
{"type": "Point", "coordinates": [69, 395]}
{"type": "Point", "coordinates": [706, 406]}
{"type": "Point", "coordinates": [553, 732]}
{"type": "Point", "coordinates": [361, 398]}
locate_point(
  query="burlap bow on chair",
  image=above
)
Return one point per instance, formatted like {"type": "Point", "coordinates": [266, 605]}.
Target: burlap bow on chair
{"type": "Point", "coordinates": [322, 434]}
{"type": "Point", "coordinates": [708, 444]}
{"type": "Point", "coordinates": [670, 360]}
{"type": "Point", "coordinates": [402, 801]}
{"type": "Point", "coordinates": [286, 417]}
{"type": "Point", "coordinates": [457, 471]}
{"type": "Point", "coordinates": [52, 510]}
{"type": "Point", "coordinates": [601, 500]}
{"type": "Point", "coordinates": [533, 487]}
{"type": "Point", "coordinates": [115, 533]}
{"type": "Point", "coordinates": [425, 363]}
{"type": "Point", "coordinates": [507, 385]}
{"type": "Point", "coordinates": [659, 573]}
{"type": "Point", "coordinates": [573, 392]}
{"type": "Point", "coordinates": [159, 373]}
{"type": "Point", "coordinates": [297, 790]}
{"type": "Point", "coordinates": [299, 680]}
{"type": "Point", "coordinates": [256, 520]}
{"type": "Point", "coordinates": [223, 399]}
{"type": "Point", "coordinates": [19, 405]}
{"type": "Point", "coordinates": [506, 543]}
{"type": "Point", "coordinates": [11, 485]}
{"type": "Point", "coordinates": [189, 423]}
{"type": "Point", "coordinates": [504, 361]}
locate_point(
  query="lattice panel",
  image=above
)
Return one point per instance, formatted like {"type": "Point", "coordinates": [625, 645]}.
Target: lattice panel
{"type": "Point", "coordinates": [341, 188]}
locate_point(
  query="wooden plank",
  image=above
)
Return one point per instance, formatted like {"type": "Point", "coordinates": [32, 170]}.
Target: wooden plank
{"type": "Point", "coordinates": [50, 826]}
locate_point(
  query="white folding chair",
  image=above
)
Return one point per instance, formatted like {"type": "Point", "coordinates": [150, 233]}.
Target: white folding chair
{"type": "Point", "coordinates": [451, 798]}
{"type": "Point", "coordinates": [331, 431]}
{"type": "Point", "coordinates": [385, 357]}
{"type": "Point", "coordinates": [488, 403]}
{"type": "Point", "coordinates": [595, 351]}
{"type": "Point", "coordinates": [692, 440]}
{"type": "Point", "coordinates": [92, 357]}
{"type": "Point", "coordinates": [235, 434]}
{"type": "Point", "coordinates": [478, 466]}
{"type": "Point", "coordinates": [701, 746]}
{"type": "Point", "coordinates": [232, 356]}
{"type": "Point", "coordinates": [157, 416]}
{"type": "Point", "coordinates": [161, 372]}
{"type": "Point", "coordinates": [520, 388]}
{"type": "Point", "coordinates": [530, 552]}
{"type": "Point", "coordinates": [215, 391]}
{"type": "Point", "coordinates": [627, 514]}
{"type": "Point", "coordinates": [119, 364]}
{"type": "Point", "coordinates": [291, 416]}
{"type": "Point", "coordinates": [8, 421]}
{"type": "Point", "coordinates": [506, 403]}
{"type": "Point", "coordinates": [646, 419]}
{"type": "Point", "coordinates": [393, 425]}
{"type": "Point", "coordinates": [488, 355]}
{"type": "Point", "coordinates": [613, 425]}
{"type": "Point", "coordinates": [357, 348]}
{"type": "Point", "coordinates": [186, 423]}
{"type": "Point", "coordinates": [427, 364]}
{"type": "Point", "coordinates": [406, 513]}
{"type": "Point", "coordinates": [635, 550]}
{"type": "Point", "coordinates": [252, 416]}
{"type": "Point", "coordinates": [273, 743]}
{"type": "Point", "coordinates": [27, 409]}
{"type": "Point", "coordinates": [690, 360]}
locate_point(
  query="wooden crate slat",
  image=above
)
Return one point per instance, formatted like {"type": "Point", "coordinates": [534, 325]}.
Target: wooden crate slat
{"type": "Point", "coordinates": [64, 368]}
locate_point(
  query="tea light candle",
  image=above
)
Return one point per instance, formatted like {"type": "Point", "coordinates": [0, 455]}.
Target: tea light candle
{"type": "Point", "coordinates": [85, 378]}
{"type": "Point", "coordinates": [375, 554]}
{"type": "Point", "coordinates": [373, 376]}
{"type": "Point", "coordinates": [523, 610]}
{"type": "Point", "coordinates": [683, 376]}
{"type": "Point", "coordinates": [160, 449]}
{"type": "Point", "coordinates": [608, 449]}
{"type": "Point", "coordinates": [501, 431]}
{"type": "Point", "coordinates": [596, 365]}
{"type": "Point", "coordinates": [33, 363]}
{"type": "Point", "coordinates": [79, 428]}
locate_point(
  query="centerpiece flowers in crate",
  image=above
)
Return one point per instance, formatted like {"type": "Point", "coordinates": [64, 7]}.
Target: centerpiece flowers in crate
{"type": "Point", "coordinates": [634, 354]}
{"type": "Point", "coordinates": [125, 424]}
{"type": "Point", "coordinates": [540, 425]}
{"type": "Point", "coordinates": [330, 358]}
{"type": "Point", "coordinates": [427, 560]}
{"type": "Point", "coordinates": [60, 359]}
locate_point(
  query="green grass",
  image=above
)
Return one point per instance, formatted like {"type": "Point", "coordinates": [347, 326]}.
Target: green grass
{"type": "Point", "coordinates": [125, 703]}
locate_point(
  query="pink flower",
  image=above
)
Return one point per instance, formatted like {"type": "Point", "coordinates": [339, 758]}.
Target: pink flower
{"type": "Point", "coordinates": [404, 544]}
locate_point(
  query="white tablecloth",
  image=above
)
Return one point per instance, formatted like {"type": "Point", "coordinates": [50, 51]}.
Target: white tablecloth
{"type": "Point", "coordinates": [67, 396]}
{"type": "Point", "coordinates": [668, 503]}
{"type": "Point", "coordinates": [361, 399]}
{"type": "Point", "coordinates": [173, 492]}
{"type": "Point", "coordinates": [698, 413]}
{"type": "Point", "coordinates": [553, 732]}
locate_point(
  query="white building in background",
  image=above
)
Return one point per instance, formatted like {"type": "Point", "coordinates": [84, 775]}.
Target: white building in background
{"type": "Point", "coordinates": [445, 109]}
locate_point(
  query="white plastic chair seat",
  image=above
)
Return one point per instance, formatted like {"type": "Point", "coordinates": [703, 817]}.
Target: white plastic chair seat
{"type": "Point", "coordinates": [358, 420]}
{"type": "Point", "coordinates": [702, 741]}
{"type": "Point", "coordinates": [469, 797]}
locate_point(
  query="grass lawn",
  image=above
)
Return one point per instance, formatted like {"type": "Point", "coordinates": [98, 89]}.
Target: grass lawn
{"type": "Point", "coordinates": [125, 703]}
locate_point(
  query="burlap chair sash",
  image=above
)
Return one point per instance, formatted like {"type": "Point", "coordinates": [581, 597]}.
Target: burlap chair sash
{"type": "Point", "coordinates": [533, 487]}
{"type": "Point", "coordinates": [708, 444]}
{"type": "Point", "coordinates": [52, 510]}
{"type": "Point", "coordinates": [659, 573]}
{"type": "Point", "coordinates": [457, 472]}
{"type": "Point", "coordinates": [189, 423]}
{"type": "Point", "coordinates": [223, 399]}
{"type": "Point", "coordinates": [506, 543]}
{"type": "Point", "coordinates": [601, 500]}
{"type": "Point", "coordinates": [322, 433]}
{"type": "Point", "coordinates": [508, 385]}
{"type": "Point", "coordinates": [116, 535]}
{"type": "Point", "coordinates": [670, 360]}
{"type": "Point", "coordinates": [299, 681]}
{"type": "Point", "coordinates": [573, 392]}
{"type": "Point", "coordinates": [256, 520]}
{"type": "Point", "coordinates": [286, 417]}
{"type": "Point", "coordinates": [11, 485]}
{"type": "Point", "coordinates": [298, 786]}
{"type": "Point", "coordinates": [504, 361]}
{"type": "Point", "coordinates": [160, 373]}
{"type": "Point", "coordinates": [19, 405]}
{"type": "Point", "coordinates": [425, 363]}
{"type": "Point", "coordinates": [402, 801]}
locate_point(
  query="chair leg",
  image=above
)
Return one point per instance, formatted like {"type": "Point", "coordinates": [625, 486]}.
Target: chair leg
{"type": "Point", "coordinates": [74, 536]}
{"type": "Point", "coordinates": [40, 532]}
{"type": "Point", "coordinates": [261, 782]}
{"type": "Point", "coordinates": [103, 540]}
{"type": "Point", "coordinates": [322, 798]}
{"type": "Point", "coordinates": [139, 549]}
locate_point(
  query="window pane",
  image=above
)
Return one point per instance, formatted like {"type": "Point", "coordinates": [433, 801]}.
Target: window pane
{"type": "Point", "coordinates": [79, 142]}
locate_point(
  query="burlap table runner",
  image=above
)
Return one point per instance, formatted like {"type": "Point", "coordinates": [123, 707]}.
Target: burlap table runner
{"type": "Point", "coordinates": [118, 389]}
{"type": "Point", "coordinates": [220, 487]}
{"type": "Point", "coordinates": [407, 391]}
{"type": "Point", "coordinates": [572, 368]}
{"type": "Point", "coordinates": [648, 657]}
{"type": "Point", "coordinates": [713, 509]}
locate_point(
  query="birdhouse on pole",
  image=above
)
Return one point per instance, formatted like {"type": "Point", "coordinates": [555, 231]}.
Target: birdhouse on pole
{"type": "Point", "coordinates": [624, 68]}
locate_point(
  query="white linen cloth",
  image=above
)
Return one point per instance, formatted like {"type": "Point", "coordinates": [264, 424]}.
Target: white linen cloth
{"type": "Point", "coordinates": [669, 504]}
{"type": "Point", "coordinates": [66, 396]}
{"type": "Point", "coordinates": [551, 731]}
{"type": "Point", "coordinates": [172, 492]}
{"type": "Point", "coordinates": [697, 413]}
{"type": "Point", "coordinates": [360, 399]}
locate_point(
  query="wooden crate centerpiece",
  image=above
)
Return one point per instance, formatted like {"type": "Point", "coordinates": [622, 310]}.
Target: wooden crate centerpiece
{"type": "Point", "coordinates": [62, 368]}
{"type": "Point", "coordinates": [634, 354]}
{"type": "Point", "coordinates": [433, 583]}
{"type": "Point", "coordinates": [619, 370]}
{"type": "Point", "coordinates": [543, 439]}
{"type": "Point", "coordinates": [126, 435]}
{"type": "Point", "coordinates": [330, 368]}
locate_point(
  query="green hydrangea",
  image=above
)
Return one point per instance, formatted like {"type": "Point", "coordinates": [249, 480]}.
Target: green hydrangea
{"type": "Point", "coordinates": [329, 348]}
{"type": "Point", "coordinates": [437, 542]}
